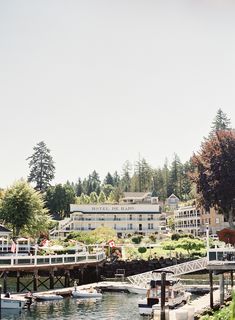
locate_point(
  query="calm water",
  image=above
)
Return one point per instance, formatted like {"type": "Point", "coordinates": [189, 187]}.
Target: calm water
{"type": "Point", "coordinates": [112, 306]}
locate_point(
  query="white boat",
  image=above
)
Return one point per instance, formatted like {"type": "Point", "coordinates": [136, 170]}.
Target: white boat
{"type": "Point", "coordinates": [175, 295]}
{"type": "Point", "coordinates": [47, 297]}
{"type": "Point", "coordinates": [136, 289]}
{"type": "Point", "coordinates": [12, 302]}
{"type": "Point", "coordinates": [86, 293]}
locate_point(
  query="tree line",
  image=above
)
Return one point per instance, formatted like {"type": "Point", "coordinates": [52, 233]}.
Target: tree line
{"type": "Point", "coordinates": [209, 175]}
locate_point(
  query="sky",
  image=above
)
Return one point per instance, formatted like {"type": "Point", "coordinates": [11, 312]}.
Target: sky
{"type": "Point", "coordinates": [104, 81]}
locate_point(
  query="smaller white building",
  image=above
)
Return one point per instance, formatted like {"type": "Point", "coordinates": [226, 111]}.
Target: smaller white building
{"type": "Point", "coordinates": [172, 202]}
{"type": "Point", "coordinates": [187, 220]}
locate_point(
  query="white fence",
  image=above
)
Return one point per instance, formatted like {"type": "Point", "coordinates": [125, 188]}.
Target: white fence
{"type": "Point", "coordinates": [63, 259]}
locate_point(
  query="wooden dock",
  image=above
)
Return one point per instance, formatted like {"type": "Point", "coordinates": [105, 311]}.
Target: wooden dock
{"type": "Point", "coordinates": [194, 308]}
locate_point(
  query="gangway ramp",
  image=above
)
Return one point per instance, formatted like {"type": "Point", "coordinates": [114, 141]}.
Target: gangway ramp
{"type": "Point", "coordinates": [178, 269]}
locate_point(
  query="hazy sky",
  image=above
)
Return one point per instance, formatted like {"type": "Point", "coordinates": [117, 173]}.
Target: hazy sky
{"type": "Point", "coordinates": [102, 81]}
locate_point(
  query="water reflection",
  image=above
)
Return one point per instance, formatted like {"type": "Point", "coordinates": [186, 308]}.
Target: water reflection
{"type": "Point", "coordinates": [112, 306]}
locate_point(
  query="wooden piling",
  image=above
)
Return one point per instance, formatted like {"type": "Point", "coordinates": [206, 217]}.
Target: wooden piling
{"type": "Point", "coordinates": [163, 295]}
{"type": "Point", "coordinates": [4, 282]}
{"type": "Point", "coordinates": [211, 289]}
{"type": "Point", "coordinates": [18, 281]}
{"type": "Point", "coordinates": [52, 277]}
{"type": "Point", "coordinates": [67, 278]}
{"type": "Point", "coordinates": [221, 287]}
{"type": "Point", "coordinates": [35, 280]}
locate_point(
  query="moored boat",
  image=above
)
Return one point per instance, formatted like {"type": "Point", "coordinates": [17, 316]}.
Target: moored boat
{"type": "Point", "coordinates": [12, 302]}
{"type": "Point", "coordinates": [136, 289]}
{"type": "Point", "coordinates": [47, 297]}
{"type": "Point", "coordinates": [90, 293]}
{"type": "Point", "coordinates": [175, 294]}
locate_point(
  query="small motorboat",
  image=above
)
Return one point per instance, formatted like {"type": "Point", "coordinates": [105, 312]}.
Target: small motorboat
{"type": "Point", "coordinates": [12, 302]}
{"type": "Point", "coordinates": [175, 294]}
{"type": "Point", "coordinates": [47, 297]}
{"type": "Point", "coordinates": [136, 289]}
{"type": "Point", "coordinates": [86, 293]}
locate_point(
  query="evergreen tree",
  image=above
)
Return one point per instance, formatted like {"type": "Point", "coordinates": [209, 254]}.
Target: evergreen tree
{"type": "Point", "coordinates": [111, 198]}
{"type": "Point", "coordinates": [143, 172]}
{"type": "Point", "coordinates": [59, 198]}
{"type": "Point", "coordinates": [108, 179]}
{"type": "Point", "coordinates": [93, 197]}
{"type": "Point", "coordinates": [175, 176]}
{"type": "Point", "coordinates": [221, 122]}
{"type": "Point", "coordinates": [107, 189]}
{"type": "Point", "coordinates": [93, 183]}
{"type": "Point", "coordinates": [166, 173]}
{"type": "Point", "coordinates": [116, 179]}
{"type": "Point", "coordinates": [126, 177]}
{"type": "Point", "coordinates": [79, 188]}
{"type": "Point", "coordinates": [42, 169]}
{"type": "Point", "coordinates": [117, 194]}
{"type": "Point", "coordinates": [102, 198]}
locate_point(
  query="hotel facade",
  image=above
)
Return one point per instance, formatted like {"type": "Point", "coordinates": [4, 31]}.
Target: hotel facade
{"type": "Point", "coordinates": [139, 215]}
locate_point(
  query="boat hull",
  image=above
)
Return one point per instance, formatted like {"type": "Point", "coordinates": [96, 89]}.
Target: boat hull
{"type": "Point", "coordinates": [85, 294]}
{"type": "Point", "coordinates": [12, 303]}
{"type": "Point", "coordinates": [136, 290]}
{"type": "Point", "coordinates": [48, 297]}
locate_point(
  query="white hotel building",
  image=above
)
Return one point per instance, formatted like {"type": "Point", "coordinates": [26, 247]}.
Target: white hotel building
{"type": "Point", "coordinates": [128, 217]}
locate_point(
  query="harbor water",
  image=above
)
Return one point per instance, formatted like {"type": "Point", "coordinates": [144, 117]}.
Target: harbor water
{"type": "Point", "coordinates": [112, 306]}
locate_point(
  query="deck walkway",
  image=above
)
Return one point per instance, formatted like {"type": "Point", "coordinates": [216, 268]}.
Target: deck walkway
{"type": "Point", "coordinates": [197, 306]}
{"type": "Point", "coordinates": [25, 262]}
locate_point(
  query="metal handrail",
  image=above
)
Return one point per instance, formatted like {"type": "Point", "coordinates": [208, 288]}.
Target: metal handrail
{"type": "Point", "coordinates": [183, 268]}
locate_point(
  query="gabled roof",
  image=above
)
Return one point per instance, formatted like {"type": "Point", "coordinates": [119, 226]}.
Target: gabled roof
{"type": "Point", "coordinates": [173, 196]}
{"type": "Point", "coordinates": [3, 229]}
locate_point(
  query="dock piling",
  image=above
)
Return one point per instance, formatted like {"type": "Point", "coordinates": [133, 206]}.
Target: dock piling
{"type": "Point", "coordinates": [211, 289]}
{"type": "Point", "coordinates": [163, 295]}
{"type": "Point", "coordinates": [18, 281]}
{"type": "Point", "coordinates": [51, 276]}
{"type": "Point", "coordinates": [221, 287]}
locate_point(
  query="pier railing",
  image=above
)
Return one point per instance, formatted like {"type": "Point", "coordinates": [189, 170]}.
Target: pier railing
{"type": "Point", "coordinates": [183, 268]}
{"type": "Point", "coordinates": [222, 254]}
{"type": "Point", "coordinates": [36, 260]}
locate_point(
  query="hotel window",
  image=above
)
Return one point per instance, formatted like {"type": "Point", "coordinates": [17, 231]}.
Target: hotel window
{"type": "Point", "coordinates": [115, 217]}
{"type": "Point", "coordinates": [130, 226]}
{"type": "Point", "coordinates": [130, 217]}
{"type": "Point", "coordinates": [115, 226]}
{"type": "Point", "coordinates": [140, 217]}
{"type": "Point", "coordinates": [89, 226]}
{"type": "Point", "coordinates": [150, 225]}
